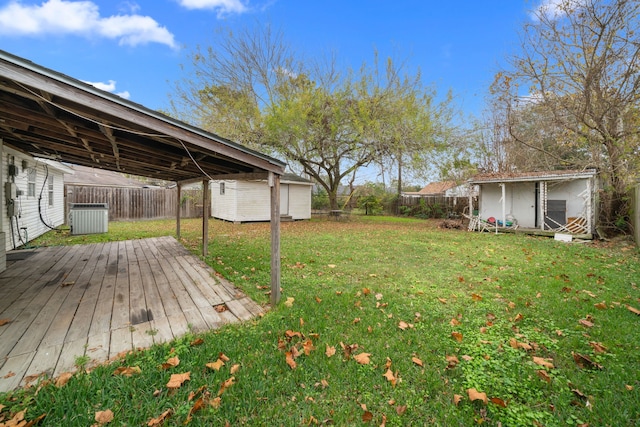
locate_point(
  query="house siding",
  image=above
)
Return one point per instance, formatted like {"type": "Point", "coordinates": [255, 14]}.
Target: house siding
{"type": "Point", "coordinates": [26, 206]}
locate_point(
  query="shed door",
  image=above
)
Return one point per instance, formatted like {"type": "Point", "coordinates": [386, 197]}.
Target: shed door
{"type": "Point", "coordinates": [556, 214]}
{"type": "Point", "coordinates": [284, 199]}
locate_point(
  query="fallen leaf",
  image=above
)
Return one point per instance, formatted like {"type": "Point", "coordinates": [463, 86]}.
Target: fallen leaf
{"type": "Point", "coordinates": [378, 296]}
{"type": "Point", "coordinates": [331, 265]}
{"type": "Point", "coordinates": [308, 347]}
{"type": "Point", "coordinates": [401, 409]}
{"type": "Point", "coordinates": [366, 291]}
{"type": "Point", "coordinates": [63, 379]}
{"type": "Point", "coordinates": [225, 385]}
{"type": "Point", "coordinates": [197, 405]}
{"type": "Point", "coordinates": [403, 325]}
{"type": "Point", "coordinates": [598, 347]}
{"type": "Point", "coordinates": [457, 336]}
{"type": "Point", "coordinates": [362, 358]}
{"type": "Point", "coordinates": [416, 361]}
{"type": "Point", "coordinates": [235, 368]}
{"type": "Point", "coordinates": [601, 305]}
{"type": "Point", "coordinates": [197, 341]}
{"type": "Point", "coordinates": [476, 395]}
{"type": "Point", "coordinates": [215, 402]}
{"type": "Point", "coordinates": [633, 310]}
{"type": "Point", "coordinates": [544, 375]}
{"type": "Point", "coordinates": [153, 422]}
{"type": "Point", "coordinates": [628, 387]}
{"type": "Point", "coordinates": [467, 358]}
{"type": "Point", "coordinates": [518, 317]}
{"type": "Point", "coordinates": [176, 380]}
{"type": "Point", "coordinates": [543, 362]}
{"type": "Point", "coordinates": [4, 321]}
{"type": "Point", "coordinates": [476, 297]}
{"type": "Point", "coordinates": [586, 323]}
{"type": "Point", "coordinates": [390, 377]}
{"type": "Point", "coordinates": [318, 300]}
{"type": "Point", "coordinates": [290, 360]}
{"type": "Point", "coordinates": [452, 361]}
{"type": "Point", "coordinates": [498, 401]}
{"type": "Point", "coordinates": [171, 362]}
{"type": "Point", "coordinates": [367, 417]}
{"type": "Point", "coordinates": [127, 371]}
{"type": "Point", "coordinates": [221, 308]}
{"type": "Point", "coordinates": [65, 284]}
{"type": "Point", "coordinates": [104, 417]}
{"type": "Point", "coordinates": [442, 300]}
{"type": "Point", "coordinates": [289, 301]}
{"type": "Point", "coordinates": [223, 357]}
{"type": "Point", "coordinates": [215, 365]}
{"type": "Point", "coordinates": [330, 351]}
{"type": "Point", "coordinates": [454, 322]}
{"type": "Point", "coordinates": [457, 398]}
{"type": "Point", "coordinates": [585, 362]}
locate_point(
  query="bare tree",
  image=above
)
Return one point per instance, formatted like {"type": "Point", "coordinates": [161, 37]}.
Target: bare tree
{"type": "Point", "coordinates": [573, 94]}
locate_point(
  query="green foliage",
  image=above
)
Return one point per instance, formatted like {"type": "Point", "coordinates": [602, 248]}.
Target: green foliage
{"type": "Point", "coordinates": [319, 199]}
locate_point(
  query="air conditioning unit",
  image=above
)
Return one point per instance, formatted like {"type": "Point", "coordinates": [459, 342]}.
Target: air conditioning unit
{"type": "Point", "coordinates": [89, 218]}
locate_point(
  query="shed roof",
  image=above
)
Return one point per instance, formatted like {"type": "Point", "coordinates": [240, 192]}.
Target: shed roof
{"type": "Point", "coordinates": [533, 176]}
{"type": "Point", "coordinates": [48, 114]}
{"type": "Point", "coordinates": [83, 175]}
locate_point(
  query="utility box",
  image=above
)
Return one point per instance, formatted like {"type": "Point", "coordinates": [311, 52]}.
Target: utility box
{"type": "Point", "coordinates": [89, 218]}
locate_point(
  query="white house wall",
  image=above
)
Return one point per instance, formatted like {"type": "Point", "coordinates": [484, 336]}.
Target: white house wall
{"type": "Point", "coordinates": [26, 206]}
{"type": "Point", "coordinates": [571, 191]}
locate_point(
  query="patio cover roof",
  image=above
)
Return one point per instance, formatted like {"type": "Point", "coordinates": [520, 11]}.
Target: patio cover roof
{"type": "Point", "coordinates": [48, 114]}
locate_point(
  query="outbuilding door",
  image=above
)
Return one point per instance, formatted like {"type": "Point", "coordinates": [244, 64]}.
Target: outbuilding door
{"type": "Point", "coordinates": [284, 199]}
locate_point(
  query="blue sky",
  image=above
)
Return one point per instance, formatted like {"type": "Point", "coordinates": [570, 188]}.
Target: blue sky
{"type": "Point", "coordinates": [135, 48]}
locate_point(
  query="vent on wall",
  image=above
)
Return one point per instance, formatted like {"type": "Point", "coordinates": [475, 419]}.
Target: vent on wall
{"type": "Point", "coordinates": [89, 218]}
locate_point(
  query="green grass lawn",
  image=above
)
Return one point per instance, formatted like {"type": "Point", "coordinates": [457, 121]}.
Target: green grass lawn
{"type": "Point", "coordinates": [384, 321]}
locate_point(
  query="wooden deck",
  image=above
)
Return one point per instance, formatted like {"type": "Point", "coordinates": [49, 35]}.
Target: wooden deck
{"type": "Point", "coordinates": [102, 299]}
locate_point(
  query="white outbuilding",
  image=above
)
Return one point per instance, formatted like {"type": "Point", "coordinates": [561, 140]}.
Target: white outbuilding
{"type": "Point", "coordinates": [249, 201]}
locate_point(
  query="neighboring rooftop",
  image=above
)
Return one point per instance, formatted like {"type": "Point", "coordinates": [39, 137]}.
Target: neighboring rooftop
{"type": "Point", "coordinates": [83, 175]}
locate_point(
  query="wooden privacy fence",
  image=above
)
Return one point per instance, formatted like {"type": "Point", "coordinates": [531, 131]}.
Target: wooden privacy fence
{"type": "Point", "coordinates": [432, 206]}
{"type": "Point", "coordinates": [134, 203]}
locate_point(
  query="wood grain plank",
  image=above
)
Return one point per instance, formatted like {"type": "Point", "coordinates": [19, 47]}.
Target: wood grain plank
{"type": "Point", "coordinates": [98, 348]}
{"type": "Point", "coordinates": [141, 335]}
{"type": "Point", "coordinates": [120, 315]}
{"type": "Point", "coordinates": [120, 341]}
{"type": "Point", "coordinates": [30, 325]}
{"type": "Point", "coordinates": [179, 324]}
{"type": "Point", "coordinates": [239, 310]}
{"type": "Point", "coordinates": [101, 320]}
{"type": "Point", "coordinates": [202, 283]}
{"type": "Point", "coordinates": [163, 332]}
{"type": "Point", "coordinates": [71, 351]}
{"type": "Point", "coordinates": [152, 297]}
{"type": "Point", "coordinates": [168, 298]}
{"type": "Point", "coordinates": [44, 361]}
{"type": "Point", "coordinates": [79, 328]}
{"type": "Point", "coordinates": [13, 370]}
{"type": "Point", "coordinates": [78, 277]}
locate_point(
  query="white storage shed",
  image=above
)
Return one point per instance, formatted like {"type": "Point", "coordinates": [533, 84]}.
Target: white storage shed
{"type": "Point", "coordinates": [249, 201]}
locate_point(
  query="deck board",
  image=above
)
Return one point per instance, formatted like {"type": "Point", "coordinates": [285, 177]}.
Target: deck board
{"type": "Point", "coordinates": [117, 296]}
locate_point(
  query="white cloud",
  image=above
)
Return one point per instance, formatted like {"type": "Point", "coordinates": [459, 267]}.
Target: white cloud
{"type": "Point", "coordinates": [224, 7]}
{"type": "Point", "coordinates": [110, 86]}
{"type": "Point", "coordinates": [554, 9]}
{"type": "Point", "coordinates": [81, 18]}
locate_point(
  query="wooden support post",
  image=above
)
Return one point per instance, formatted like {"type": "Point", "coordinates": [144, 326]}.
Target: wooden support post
{"type": "Point", "coordinates": [274, 184]}
{"type": "Point", "coordinates": [205, 217]}
{"type": "Point", "coordinates": [178, 209]}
